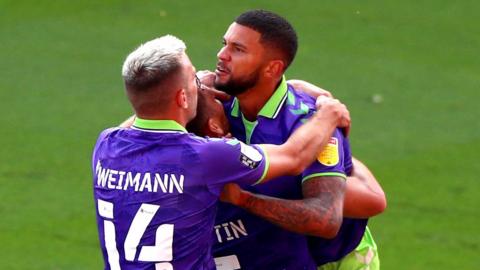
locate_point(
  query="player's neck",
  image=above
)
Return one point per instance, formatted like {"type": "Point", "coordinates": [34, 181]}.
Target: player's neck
{"type": "Point", "coordinates": [175, 116]}
{"type": "Point", "coordinates": [253, 100]}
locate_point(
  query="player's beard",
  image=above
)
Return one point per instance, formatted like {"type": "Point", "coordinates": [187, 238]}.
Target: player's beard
{"type": "Point", "coordinates": [237, 86]}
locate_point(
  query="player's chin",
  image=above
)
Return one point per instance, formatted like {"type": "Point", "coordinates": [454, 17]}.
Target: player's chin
{"type": "Point", "coordinates": [220, 82]}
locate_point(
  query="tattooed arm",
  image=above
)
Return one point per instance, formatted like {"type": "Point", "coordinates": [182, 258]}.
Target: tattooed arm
{"type": "Point", "coordinates": [319, 213]}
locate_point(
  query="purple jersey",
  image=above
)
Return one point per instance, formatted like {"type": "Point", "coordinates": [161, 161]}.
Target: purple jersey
{"type": "Point", "coordinates": [156, 189]}
{"type": "Point", "coordinates": [349, 235]}
{"type": "Point", "coordinates": [261, 244]}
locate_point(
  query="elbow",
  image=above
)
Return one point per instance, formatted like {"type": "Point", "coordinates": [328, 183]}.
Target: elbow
{"type": "Point", "coordinates": [334, 227]}
{"type": "Point", "coordinates": [328, 226]}
{"type": "Point", "coordinates": [378, 205]}
{"type": "Point", "coordinates": [332, 233]}
{"type": "Point", "coordinates": [365, 206]}
{"type": "Point", "coordinates": [381, 204]}
{"type": "Point", "coordinates": [329, 230]}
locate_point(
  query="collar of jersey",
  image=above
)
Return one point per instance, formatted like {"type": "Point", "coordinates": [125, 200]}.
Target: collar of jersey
{"type": "Point", "coordinates": [273, 105]}
{"type": "Point", "coordinates": [158, 125]}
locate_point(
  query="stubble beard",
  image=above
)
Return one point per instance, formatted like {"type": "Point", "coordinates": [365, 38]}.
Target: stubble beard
{"type": "Point", "coordinates": [238, 86]}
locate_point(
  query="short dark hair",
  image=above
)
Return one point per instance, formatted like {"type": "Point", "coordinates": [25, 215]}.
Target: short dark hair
{"type": "Point", "coordinates": [275, 31]}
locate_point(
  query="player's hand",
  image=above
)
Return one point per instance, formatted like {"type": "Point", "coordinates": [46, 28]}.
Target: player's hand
{"type": "Point", "coordinates": [232, 193]}
{"type": "Point", "coordinates": [206, 77]}
{"type": "Point", "coordinates": [310, 89]}
{"type": "Point", "coordinates": [220, 95]}
{"type": "Point", "coordinates": [128, 123]}
{"type": "Point", "coordinates": [335, 109]}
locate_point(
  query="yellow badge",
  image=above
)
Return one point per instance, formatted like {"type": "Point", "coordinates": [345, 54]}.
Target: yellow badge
{"type": "Point", "coordinates": [329, 155]}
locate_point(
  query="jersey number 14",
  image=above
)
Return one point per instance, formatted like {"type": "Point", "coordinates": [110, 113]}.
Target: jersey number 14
{"type": "Point", "coordinates": [160, 253]}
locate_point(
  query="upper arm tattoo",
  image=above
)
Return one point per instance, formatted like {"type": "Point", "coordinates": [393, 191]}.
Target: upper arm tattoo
{"type": "Point", "coordinates": [319, 213]}
{"type": "Point", "coordinates": [327, 193]}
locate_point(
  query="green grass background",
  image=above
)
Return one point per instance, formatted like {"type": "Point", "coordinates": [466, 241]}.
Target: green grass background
{"type": "Point", "coordinates": [60, 85]}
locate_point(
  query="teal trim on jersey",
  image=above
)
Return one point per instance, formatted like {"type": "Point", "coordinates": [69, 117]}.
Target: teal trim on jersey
{"type": "Point", "coordinates": [158, 124]}
{"type": "Point", "coordinates": [249, 127]}
{"type": "Point", "coordinates": [233, 142]}
{"type": "Point", "coordinates": [267, 166]}
{"type": "Point", "coordinates": [290, 98]}
{"type": "Point", "coordinates": [324, 174]}
{"type": "Point", "coordinates": [274, 103]}
{"type": "Point", "coordinates": [235, 108]}
{"type": "Point", "coordinates": [302, 110]}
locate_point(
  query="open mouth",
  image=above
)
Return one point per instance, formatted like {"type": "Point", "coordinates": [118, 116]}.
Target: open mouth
{"type": "Point", "coordinates": [221, 70]}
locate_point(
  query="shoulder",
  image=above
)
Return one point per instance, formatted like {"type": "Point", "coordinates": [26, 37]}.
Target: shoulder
{"type": "Point", "coordinates": [206, 146]}
{"type": "Point", "coordinates": [295, 97]}
{"type": "Point", "coordinates": [105, 134]}
{"type": "Point", "coordinates": [230, 160]}
{"type": "Point", "coordinates": [209, 145]}
{"type": "Point", "coordinates": [298, 104]}
{"type": "Point", "coordinates": [297, 109]}
{"type": "Point", "coordinates": [109, 131]}
{"type": "Point", "coordinates": [223, 150]}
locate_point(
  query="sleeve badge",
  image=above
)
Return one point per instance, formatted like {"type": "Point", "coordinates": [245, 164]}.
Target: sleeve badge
{"type": "Point", "coordinates": [329, 155]}
{"type": "Point", "coordinates": [250, 156]}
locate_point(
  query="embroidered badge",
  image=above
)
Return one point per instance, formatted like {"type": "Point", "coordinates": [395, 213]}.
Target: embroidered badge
{"type": "Point", "coordinates": [250, 156]}
{"type": "Point", "coordinates": [329, 155]}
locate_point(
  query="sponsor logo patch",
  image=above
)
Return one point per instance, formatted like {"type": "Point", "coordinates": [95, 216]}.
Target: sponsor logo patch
{"type": "Point", "coordinates": [249, 156]}
{"type": "Point", "coordinates": [329, 155]}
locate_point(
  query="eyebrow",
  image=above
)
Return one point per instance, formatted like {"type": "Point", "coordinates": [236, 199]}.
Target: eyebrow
{"type": "Point", "coordinates": [236, 44]}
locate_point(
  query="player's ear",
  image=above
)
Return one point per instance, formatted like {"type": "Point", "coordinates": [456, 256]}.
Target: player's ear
{"type": "Point", "coordinates": [274, 69]}
{"type": "Point", "coordinates": [181, 98]}
{"type": "Point", "coordinates": [214, 128]}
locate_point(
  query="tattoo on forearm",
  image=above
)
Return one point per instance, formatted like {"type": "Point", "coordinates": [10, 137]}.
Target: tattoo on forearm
{"type": "Point", "coordinates": [319, 212]}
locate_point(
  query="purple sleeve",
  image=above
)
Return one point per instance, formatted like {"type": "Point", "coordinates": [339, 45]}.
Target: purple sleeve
{"type": "Point", "coordinates": [100, 139]}
{"type": "Point", "coordinates": [331, 160]}
{"type": "Point", "coordinates": [226, 160]}
{"type": "Point", "coordinates": [348, 163]}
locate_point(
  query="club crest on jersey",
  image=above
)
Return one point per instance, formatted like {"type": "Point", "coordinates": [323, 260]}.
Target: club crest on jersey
{"type": "Point", "coordinates": [329, 155]}
{"type": "Point", "coordinates": [249, 156]}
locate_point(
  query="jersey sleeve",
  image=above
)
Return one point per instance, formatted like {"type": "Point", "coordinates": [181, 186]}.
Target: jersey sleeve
{"type": "Point", "coordinates": [101, 138]}
{"type": "Point", "coordinates": [348, 163]}
{"type": "Point", "coordinates": [229, 160]}
{"type": "Point", "coordinates": [331, 160]}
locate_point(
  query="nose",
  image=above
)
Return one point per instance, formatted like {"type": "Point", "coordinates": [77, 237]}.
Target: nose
{"type": "Point", "coordinates": [223, 54]}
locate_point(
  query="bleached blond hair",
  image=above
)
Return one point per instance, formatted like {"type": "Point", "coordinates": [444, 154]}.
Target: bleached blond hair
{"type": "Point", "coordinates": [152, 62]}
